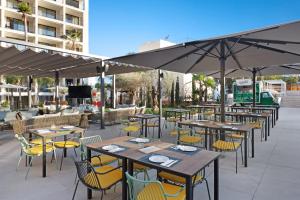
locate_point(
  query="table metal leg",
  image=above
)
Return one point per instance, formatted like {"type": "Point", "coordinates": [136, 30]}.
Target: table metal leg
{"type": "Point", "coordinates": [252, 142]}
{"type": "Point", "coordinates": [65, 149]}
{"type": "Point", "coordinates": [124, 181]}
{"type": "Point", "coordinates": [205, 138]}
{"type": "Point", "coordinates": [189, 188]}
{"type": "Point", "coordinates": [146, 128]}
{"type": "Point", "coordinates": [268, 126]}
{"type": "Point", "coordinates": [216, 179]}
{"type": "Point", "coordinates": [44, 157]}
{"type": "Point", "coordinates": [89, 155]}
{"type": "Point", "coordinates": [246, 149]}
{"type": "Point", "coordinates": [266, 129]}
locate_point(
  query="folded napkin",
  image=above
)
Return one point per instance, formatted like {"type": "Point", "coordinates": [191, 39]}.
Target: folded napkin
{"type": "Point", "coordinates": [116, 150]}
{"type": "Point", "coordinates": [169, 163]}
{"type": "Point", "coordinates": [42, 131]}
{"type": "Point", "coordinates": [149, 149]}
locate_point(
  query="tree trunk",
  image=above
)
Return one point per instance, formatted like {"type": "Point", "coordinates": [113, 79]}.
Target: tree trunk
{"type": "Point", "coordinates": [200, 93]}
{"type": "Point", "coordinates": [25, 27]}
{"type": "Point", "coordinates": [205, 94]}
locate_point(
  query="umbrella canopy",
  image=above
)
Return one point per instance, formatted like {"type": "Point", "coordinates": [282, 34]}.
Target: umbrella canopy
{"type": "Point", "coordinates": [11, 86]}
{"type": "Point", "coordinates": [271, 46]}
{"type": "Point", "coordinates": [260, 71]}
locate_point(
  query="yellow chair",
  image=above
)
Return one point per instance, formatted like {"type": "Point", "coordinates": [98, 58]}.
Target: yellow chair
{"type": "Point", "coordinates": [100, 179]}
{"type": "Point", "coordinates": [190, 139]}
{"type": "Point", "coordinates": [178, 180]}
{"type": "Point", "coordinates": [152, 124]}
{"type": "Point", "coordinates": [32, 151]}
{"type": "Point", "coordinates": [228, 146]}
{"type": "Point", "coordinates": [67, 144]}
{"type": "Point", "coordinates": [130, 127]}
{"type": "Point", "coordinates": [153, 190]}
{"type": "Point", "coordinates": [258, 125]}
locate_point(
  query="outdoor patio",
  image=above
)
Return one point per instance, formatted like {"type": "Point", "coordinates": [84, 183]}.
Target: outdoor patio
{"type": "Point", "coordinates": [272, 174]}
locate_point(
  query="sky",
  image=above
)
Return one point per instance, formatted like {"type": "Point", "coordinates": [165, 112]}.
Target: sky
{"type": "Point", "coordinates": [119, 27]}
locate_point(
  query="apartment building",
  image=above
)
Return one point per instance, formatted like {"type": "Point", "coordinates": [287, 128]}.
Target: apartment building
{"type": "Point", "coordinates": [49, 21]}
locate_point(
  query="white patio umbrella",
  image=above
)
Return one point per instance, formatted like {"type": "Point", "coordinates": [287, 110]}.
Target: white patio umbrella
{"type": "Point", "coordinates": [266, 47]}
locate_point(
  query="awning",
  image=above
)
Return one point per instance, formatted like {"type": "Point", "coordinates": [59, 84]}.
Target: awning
{"type": "Point", "coordinates": [38, 61]}
{"type": "Point", "coordinates": [271, 46]}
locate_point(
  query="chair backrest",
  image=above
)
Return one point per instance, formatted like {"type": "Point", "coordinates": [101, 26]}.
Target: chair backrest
{"type": "Point", "coordinates": [84, 122]}
{"type": "Point", "coordinates": [18, 127]}
{"type": "Point", "coordinates": [88, 140]}
{"type": "Point", "coordinates": [23, 142]}
{"type": "Point", "coordinates": [87, 174]}
{"type": "Point", "coordinates": [143, 190]}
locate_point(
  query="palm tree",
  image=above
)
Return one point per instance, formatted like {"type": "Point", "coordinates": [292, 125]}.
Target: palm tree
{"type": "Point", "coordinates": [25, 9]}
{"type": "Point", "coordinates": [72, 36]}
{"type": "Point", "coordinates": [209, 82]}
{"type": "Point", "coordinates": [200, 78]}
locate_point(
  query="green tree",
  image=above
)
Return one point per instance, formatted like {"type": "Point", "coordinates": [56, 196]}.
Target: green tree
{"type": "Point", "coordinates": [72, 36]}
{"type": "Point", "coordinates": [194, 100]}
{"type": "Point", "coordinates": [209, 82]}
{"type": "Point", "coordinates": [200, 78]}
{"type": "Point", "coordinates": [177, 90]}
{"type": "Point", "coordinates": [45, 82]}
{"type": "Point", "coordinates": [25, 10]}
{"type": "Point", "coordinates": [172, 95]}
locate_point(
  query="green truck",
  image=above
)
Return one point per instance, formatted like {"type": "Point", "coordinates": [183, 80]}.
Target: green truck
{"type": "Point", "coordinates": [243, 93]}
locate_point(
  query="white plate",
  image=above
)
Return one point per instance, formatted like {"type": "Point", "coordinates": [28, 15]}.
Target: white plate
{"type": "Point", "coordinates": [186, 148]}
{"type": "Point", "coordinates": [68, 127]}
{"type": "Point", "coordinates": [226, 126]}
{"type": "Point", "coordinates": [43, 131]}
{"type": "Point", "coordinates": [110, 147]}
{"type": "Point", "coordinates": [235, 123]}
{"type": "Point", "coordinates": [158, 159]}
{"type": "Point", "coordinates": [140, 140]}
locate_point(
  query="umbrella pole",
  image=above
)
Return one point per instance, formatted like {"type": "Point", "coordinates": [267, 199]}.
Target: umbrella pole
{"type": "Point", "coordinates": [29, 79]}
{"type": "Point", "coordinates": [222, 80]}
{"type": "Point", "coordinates": [101, 71]}
{"type": "Point", "coordinates": [56, 91]}
{"type": "Point", "coordinates": [113, 92]}
{"type": "Point", "coordinates": [254, 87]}
{"type": "Point", "coordinates": [160, 76]}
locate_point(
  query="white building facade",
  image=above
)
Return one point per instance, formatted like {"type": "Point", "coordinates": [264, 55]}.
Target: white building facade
{"type": "Point", "coordinates": [48, 22]}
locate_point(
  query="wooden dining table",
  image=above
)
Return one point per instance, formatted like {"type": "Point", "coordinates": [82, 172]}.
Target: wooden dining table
{"type": "Point", "coordinates": [176, 111]}
{"type": "Point", "coordinates": [272, 110]}
{"type": "Point", "coordinates": [241, 116]}
{"type": "Point", "coordinates": [53, 132]}
{"type": "Point", "coordinates": [223, 127]}
{"type": "Point", "coordinates": [144, 119]}
{"type": "Point", "coordinates": [187, 167]}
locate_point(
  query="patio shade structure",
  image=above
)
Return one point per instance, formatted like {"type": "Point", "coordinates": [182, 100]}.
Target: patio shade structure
{"type": "Point", "coordinates": [35, 60]}
{"type": "Point", "coordinates": [12, 87]}
{"type": "Point", "coordinates": [271, 46]}
{"type": "Point", "coordinates": [260, 71]}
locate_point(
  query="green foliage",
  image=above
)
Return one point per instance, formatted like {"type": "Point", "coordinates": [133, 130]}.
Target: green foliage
{"type": "Point", "coordinates": [172, 94]}
{"type": "Point", "coordinates": [5, 104]}
{"type": "Point", "coordinates": [73, 36]}
{"type": "Point", "coordinates": [12, 79]}
{"type": "Point", "coordinates": [45, 82]}
{"type": "Point", "coordinates": [177, 95]}
{"type": "Point", "coordinates": [24, 8]}
{"type": "Point", "coordinates": [291, 79]}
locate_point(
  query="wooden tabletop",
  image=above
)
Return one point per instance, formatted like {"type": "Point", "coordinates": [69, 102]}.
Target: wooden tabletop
{"type": "Point", "coordinates": [253, 108]}
{"type": "Point", "coordinates": [144, 116]}
{"type": "Point", "coordinates": [246, 114]}
{"type": "Point", "coordinates": [227, 126]}
{"type": "Point", "coordinates": [203, 106]}
{"type": "Point", "coordinates": [178, 110]}
{"type": "Point", "coordinates": [55, 132]}
{"type": "Point", "coordinates": [188, 165]}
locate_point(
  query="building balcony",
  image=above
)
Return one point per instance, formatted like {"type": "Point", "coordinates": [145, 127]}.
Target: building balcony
{"type": "Point", "coordinates": [73, 3]}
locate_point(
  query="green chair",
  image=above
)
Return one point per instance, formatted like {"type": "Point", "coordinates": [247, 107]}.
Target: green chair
{"type": "Point", "coordinates": [153, 190]}
{"type": "Point", "coordinates": [97, 160]}
{"type": "Point", "coordinates": [32, 151]}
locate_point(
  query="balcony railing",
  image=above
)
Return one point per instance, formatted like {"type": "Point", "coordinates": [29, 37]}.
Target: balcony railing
{"type": "Point", "coordinates": [73, 3]}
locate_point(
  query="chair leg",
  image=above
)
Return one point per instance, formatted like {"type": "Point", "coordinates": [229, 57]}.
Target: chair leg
{"type": "Point", "coordinates": [207, 187]}
{"type": "Point", "coordinates": [236, 162]}
{"type": "Point", "coordinates": [75, 190]}
{"type": "Point", "coordinates": [19, 162]}
{"type": "Point", "coordinates": [75, 152]}
{"type": "Point", "coordinates": [28, 168]}
{"type": "Point", "coordinates": [61, 161]}
{"type": "Point", "coordinates": [101, 194]}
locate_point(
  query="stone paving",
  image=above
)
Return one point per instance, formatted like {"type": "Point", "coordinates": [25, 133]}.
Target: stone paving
{"type": "Point", "coordinates": [273, 174]}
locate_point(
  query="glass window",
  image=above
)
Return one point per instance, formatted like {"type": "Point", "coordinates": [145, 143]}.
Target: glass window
{"type": "Point", "coordinates": [15, 24]}
{"type": "Point", "coordinates": [47, 13]}
{"type": "Point", "coordinates": [72, 19]}
{"type": "Point", "coordinates": [47, 30]}
{"type": "Point", "coordinates": [265, 95]}
{"type": "Point", "coordinates": [12, 4]}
